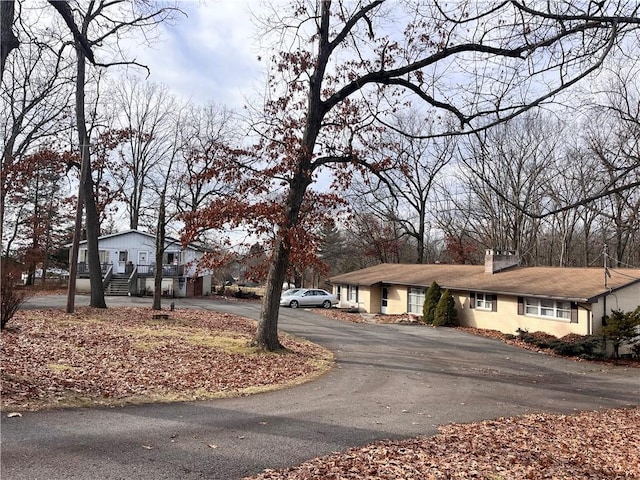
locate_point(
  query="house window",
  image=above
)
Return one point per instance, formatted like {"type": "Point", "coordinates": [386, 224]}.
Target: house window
{"type": "Point", "coordinates": [542, 307]}
{"type": "Point", "coordinates": [352, 293]}
{"type": "Point", "coordinates": [122, 256]}
{"type": "Point", "coordinates": [172, 258]}
{"type": "Point", "coordinates": [104, 256]}
{"type": "Point", "coordinates": [416, 300]}
{"type": "Point", "coordinates": [484, 301]}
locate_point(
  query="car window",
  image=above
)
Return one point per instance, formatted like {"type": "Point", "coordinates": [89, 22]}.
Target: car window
{"type": "Point", "coordinates": [290, 292]}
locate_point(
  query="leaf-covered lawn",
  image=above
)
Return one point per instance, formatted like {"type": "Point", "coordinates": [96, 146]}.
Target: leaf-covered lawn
{"type": "Point", "coordinates": [121, 355]}
{"type": "Point", "coordinates": [588, 446]}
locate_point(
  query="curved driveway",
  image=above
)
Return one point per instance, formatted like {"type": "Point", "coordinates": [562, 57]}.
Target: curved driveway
{"type": "Point", "coordinates": [389, 381]}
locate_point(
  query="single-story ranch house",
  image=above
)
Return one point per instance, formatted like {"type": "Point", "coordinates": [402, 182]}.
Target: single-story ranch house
{"type": "Point", "coordinates": [499, 295]}
{"type": "Point", "coordinates": [128, 266]}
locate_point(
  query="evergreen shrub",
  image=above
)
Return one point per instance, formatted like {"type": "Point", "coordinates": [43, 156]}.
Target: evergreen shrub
{"type": "Point", "coordinates": [446, 314]}
{"type": "Point", "coordinates": [431, 299]}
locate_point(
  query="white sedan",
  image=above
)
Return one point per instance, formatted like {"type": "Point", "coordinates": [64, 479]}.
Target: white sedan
{"type": "Point", "coordinates": [307, 297]}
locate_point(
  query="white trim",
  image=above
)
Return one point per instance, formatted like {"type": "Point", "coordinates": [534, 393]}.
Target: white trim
{"type": "Point", "coordinates": [416, 294]}
{"type": "Point", "coordinates": [483, 306]}
{"type": "Point", "coordinates": [528, 303]}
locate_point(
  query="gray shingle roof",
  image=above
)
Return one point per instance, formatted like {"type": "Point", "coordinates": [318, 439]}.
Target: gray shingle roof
{"type": "Point", "coordinates": [577, 284]}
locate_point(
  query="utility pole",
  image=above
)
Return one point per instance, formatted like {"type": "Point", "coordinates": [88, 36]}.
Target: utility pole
{"type": "Point", "coordinates": [605, 256]}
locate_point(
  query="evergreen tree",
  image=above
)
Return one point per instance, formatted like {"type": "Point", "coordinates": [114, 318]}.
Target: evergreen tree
{"type": "Point", "coordinates": [621, 328]}
{"type": "Point", "coordinates": [431, 300]}
{"type": "Point", "coordinates": [445, 314]}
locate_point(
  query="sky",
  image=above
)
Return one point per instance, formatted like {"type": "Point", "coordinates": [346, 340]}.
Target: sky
{"type": "Point", "coordinates": [210, 55]}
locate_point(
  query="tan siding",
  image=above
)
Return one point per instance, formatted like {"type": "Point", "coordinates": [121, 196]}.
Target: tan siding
{"type": "Point", "coordinates": [397, 302]}
{"type": "Point", "coordinates": [507, 320]}
{"type": "Point", "coordinates": [363, 299]}
{"type": "Point", "coordinates": [568, 284]}
{"type": "Point", "coordinates": [375, 299]}
{"type": "Point", "coordinates": [542, 282]}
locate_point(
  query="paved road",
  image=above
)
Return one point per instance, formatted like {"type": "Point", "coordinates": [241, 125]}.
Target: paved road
{"type": "Point", "coordinates": [389, 381]}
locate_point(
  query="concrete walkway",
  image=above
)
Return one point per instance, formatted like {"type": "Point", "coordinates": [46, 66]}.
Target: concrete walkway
{"type": "Point", "coordinates": [389, 381]}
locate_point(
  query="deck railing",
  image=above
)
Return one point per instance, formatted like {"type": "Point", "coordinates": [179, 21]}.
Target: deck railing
{"type": "Point", "coordinates": [168, 270]}
{"type": "Point", "coordinates": [83, 268]}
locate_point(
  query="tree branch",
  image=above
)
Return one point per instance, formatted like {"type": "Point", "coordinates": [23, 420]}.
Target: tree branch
{"type": "Point", "coordinates": [62, 6]}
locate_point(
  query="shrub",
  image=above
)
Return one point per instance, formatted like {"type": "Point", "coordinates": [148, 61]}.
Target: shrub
{"type": "Point", "coordinates": [431, 299]}
{"type": "Point", "coordinates": [445, 314]}
{"type": "Point", "coordinates": [12, 298]}
{"type": "Point", "coordinates": [538, 339]}
{"type": "Point", "coordinates": [621, 328]}
{"type": "Point", "coordinates": [566, 349]}
{"type": "Point", "coordinates": [572, 345]}
{"type": "Point", "coordinates": [583, 345]}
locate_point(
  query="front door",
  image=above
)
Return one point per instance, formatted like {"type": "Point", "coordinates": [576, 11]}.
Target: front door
{"type": "Point", "coordinates": [385, 298]}
{"type": "Point", "coordinates": [123, 257]}
{"type": "Point", "coordinates": [143, 258]}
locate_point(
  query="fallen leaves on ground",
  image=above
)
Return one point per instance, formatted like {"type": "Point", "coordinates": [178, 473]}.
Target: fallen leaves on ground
{"type": "Point", "coordinates": [120, 355]}
{"type": "Point", "coordinates": [586, 446]}
{"type": "Point", "coordinates": [356, 317]}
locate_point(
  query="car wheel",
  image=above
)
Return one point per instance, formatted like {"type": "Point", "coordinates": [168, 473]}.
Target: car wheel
{"type": "Point", "coordinates": [326, 304]}
{"type": "Point", "coordinates": [294, 304]}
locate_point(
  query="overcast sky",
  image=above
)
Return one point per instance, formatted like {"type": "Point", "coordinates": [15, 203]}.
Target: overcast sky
{"type": "Point", "coordinates": [210, 55]}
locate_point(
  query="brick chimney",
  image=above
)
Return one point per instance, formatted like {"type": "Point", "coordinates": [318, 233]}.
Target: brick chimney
{"type": "Point", "coordinates": [498, 260]}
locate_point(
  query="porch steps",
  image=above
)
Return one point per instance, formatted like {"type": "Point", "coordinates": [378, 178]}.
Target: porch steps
{"type": "Point", "coordinates": [118, 286]}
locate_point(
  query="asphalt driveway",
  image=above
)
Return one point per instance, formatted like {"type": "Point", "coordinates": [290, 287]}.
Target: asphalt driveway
{"type": "Point", "coordinates": [389, 381]}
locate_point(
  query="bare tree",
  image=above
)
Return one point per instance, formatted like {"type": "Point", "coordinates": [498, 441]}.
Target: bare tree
{"type": "Point", "coordinates": [35, 98]}
{"type": "Point", "coordinates": [146, 121]}
{"type": "Point", "coordinates": [615, 148]}
{"type": "Point", "coordinates": [569, 235]}
{"type": "Point", "coordinates": [102, 23]}
{"type": "Point", "coordinates": [400, 190]}
{"type": "Point", "coordinates": [508, 171]}
{"type": "Point", "coordinates": [9, 41]}
{"type": "Point", "coordinates": [207, 133]}
{"type": "Point", "coordinates": [166, 183]}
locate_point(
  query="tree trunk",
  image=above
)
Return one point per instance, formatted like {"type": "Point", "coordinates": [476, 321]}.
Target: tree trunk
{"type": "Point", "coordinates": [160, 236]}
{"type": "Point", "coordinates": [157, 279]}
{"type": "Point", "coordinates": [266, 337]}
{"type": "Point", "coordinates": [8, 40]}
{"type": "Point", "coordinates": [421, 233]}
{"type": "Point", "coordinates": [86, 182]}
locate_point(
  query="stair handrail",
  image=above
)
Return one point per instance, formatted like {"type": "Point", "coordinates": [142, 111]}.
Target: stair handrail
{"type": "Point", "coordinates": [107, 277]}
{"type": "Point", "coordinates": [133, 281]}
